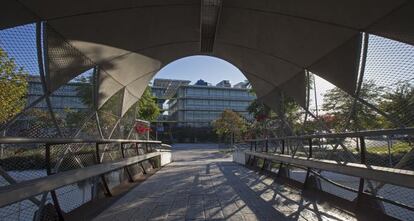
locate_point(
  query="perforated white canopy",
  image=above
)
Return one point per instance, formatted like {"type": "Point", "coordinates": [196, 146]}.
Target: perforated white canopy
{"type": "Point", "coordinates": [271, 42]}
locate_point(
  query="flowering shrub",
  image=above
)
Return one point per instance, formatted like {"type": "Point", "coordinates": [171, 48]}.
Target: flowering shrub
{"type": "Point", "coordinates": [142, 129]}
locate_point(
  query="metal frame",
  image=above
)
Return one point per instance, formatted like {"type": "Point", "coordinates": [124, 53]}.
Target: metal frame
{"type": "Point", "coordinates": [385, 132]}
{"type": "Point", "coordinates": [24, 190]}
{"type": "Point", "coordinates": [26, 140]}
{"type": "Point", "coordinates": [397, 177]}
{"type": "Point", "coordinates": [363, 59]}
{"type": "Point", "coordinates": [366, 173]}
{"type": "Point", "coordinates": [44, 70]}
{"type": "Point", "coordinates": [21, 191]}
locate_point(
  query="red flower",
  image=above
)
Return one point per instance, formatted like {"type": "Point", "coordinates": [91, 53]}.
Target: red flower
{"type": "Point", "coordinates": [141, 129]}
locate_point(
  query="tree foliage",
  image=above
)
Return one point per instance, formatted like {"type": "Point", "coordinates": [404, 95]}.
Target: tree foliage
{"type": "Point", "coordinates": [85, 90]}
{"type": "Point", "coordinates": [338, 105]}
{"type": "Point", "coordinates": [13, 87]}
{"type": "Point", "coordinates": [399, 103]}
{"type": "Point", "coordinates": [259, 110]}
{"type": "Point", "coordinates": [230, 123]}
{"type": "Point", "coordinates": [268, 121]}
{"type": "Point", "coordinates": [147, 106]}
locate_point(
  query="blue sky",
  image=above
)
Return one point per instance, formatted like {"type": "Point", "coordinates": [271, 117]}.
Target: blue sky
{"type": "Point", "coordinates": [210, 69]}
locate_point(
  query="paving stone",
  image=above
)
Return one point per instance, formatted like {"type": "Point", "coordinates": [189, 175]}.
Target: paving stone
{"type": "Point", "coordinates": [195, 199]}
{"type": "Point", "coordinates": [230, 209]}
{"type": "Point", "coordinates": [178, 208]}
{"type": "Point", "coordinates": [196, 187]}
{"type": "Point", "coordinates": [195, 212]}
{"type": "Point", "coordinates": [159, 213]}
{"type": "Point", "coordinates": [175, 218]}
{"type": "Point", "coordinates": [234, 217]}
{"type": "Point", "coordinates": [213, 213]}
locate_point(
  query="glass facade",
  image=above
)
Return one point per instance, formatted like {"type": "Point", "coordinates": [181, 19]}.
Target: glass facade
{"type": "Point", "coordinates": [198, 106]}
{"type": "Point", "coordinates": [66, 97]}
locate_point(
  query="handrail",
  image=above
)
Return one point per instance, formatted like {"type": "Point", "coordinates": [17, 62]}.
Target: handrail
{"type": "Point", "coordinates": [166, 146]}
{"type": "Point", "coordinates": [31, 188]}
{"type": "Point", "coordinates": [388, 132]}
{"type": "Point", "coordinates": [397, 177]}
{"type": "Point", "coordinates": [14, 193]}
{"type": "Point", "coordinates": [397, 203]}
{"type": "Point", "coordinates": [362, 170]}
{"type": "Point", "coordinates": [26, 140]}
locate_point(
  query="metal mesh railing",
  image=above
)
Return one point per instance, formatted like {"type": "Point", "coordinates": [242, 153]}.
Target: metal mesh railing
{"type": "Point", "coordinates": [26, 161]}
{"type": "Point", "coordinates": [389, 150]}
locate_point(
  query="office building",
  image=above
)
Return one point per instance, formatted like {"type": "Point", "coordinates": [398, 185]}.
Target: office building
{"type": "Point", "coordinates": [200, 105]}
{"type": "Point", "coordinates": [164, 89]}
{"type": "Point", "coordinates": [243, 84]}
{"type": "Point", "coordinates": [224, 83]}
{"type": "Point", "coordinates": [66, 97]}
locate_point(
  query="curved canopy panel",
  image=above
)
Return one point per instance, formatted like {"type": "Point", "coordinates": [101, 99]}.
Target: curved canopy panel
{"type": "Point", "coordinates": [341, 65]}
{"type": "Point", "coordinates": [272, 42]}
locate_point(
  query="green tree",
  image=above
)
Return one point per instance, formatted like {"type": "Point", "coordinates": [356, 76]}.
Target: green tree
{"type": "Point", "coordinates": [230, 124]}
{"type": "Point", "coordinates": [13, 87]}
{"type": "Point", "coordinates": [147, 106]}
{"type": "Point", "coordinates": [338, 105]}
{"type": "Point", "coordinates": [400, 104]}
{"type": "Point", "coordinates": [84, 90]}
{"type": "Point", "coordinates": [268, 121]}
{"type": "Point", "coordinates": [258, 110]}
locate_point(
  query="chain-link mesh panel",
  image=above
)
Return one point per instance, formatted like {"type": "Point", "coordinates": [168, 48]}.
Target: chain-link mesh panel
{"type": "Point", "coordinates": [275, 146]}
{"type": "Point", "coordinates": [73, 196]}
{"type": "Point", "coordinates": [390, 151]}
{"type": "Point", "coordinates": [107, 122]}
{"type": "Point", "coordinates": [379, 152]}
{"type": "Point", "coordinates": [116, 131]}
{"type": "Point", "coordinates": [28, 210]}
{"type": "Point", "coordinates": [135, 170]}
{"type": "Point", "coordinates": [343, 180]}
{"type": "Point", "coordinates": [19, 70]}
{"type": "Point", "coordinates": [65, 62]}
{"type": "Point", "coordinates": [70, 112]}
{"type": "Point", "coordinates": [34, 122]}
{"type": "Point", "coordinates": [337, 149]}
{"type": "Point", "coordinates": [72, 156]}
{"type": "Point", "coordinates": [113, 105]}
{"type": "Point", "coordinates": [72, 103]}
{"type": "Point", "coordinates": [390, 68]}
{"type": "Point", "coordinates": [110, 152]}
{"type": "Point", "coordinates": [22, 162]}
{"type": "Point", "coordinates": [90, 129]}
{"type": "Point", "coordinates": [20, 81]}
{"type": "Point", "coordinates": [130, 150]}
{"type": "Point", "coordinates": [127, 122]}
{"type": "Point", "coordinates": [65, 157]}
{"type": "Point", "coordinates": [299, 148]}
{"type": "Point", "coordinates": [394, 193]}
{"type": "Point", "coordinates": [20, 44]}
{"type": "Point", "coordinates": [109, 116]}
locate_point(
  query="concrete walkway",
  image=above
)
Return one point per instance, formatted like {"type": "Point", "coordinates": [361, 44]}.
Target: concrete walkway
{"type": "Point", "coordinates": [203, 184]}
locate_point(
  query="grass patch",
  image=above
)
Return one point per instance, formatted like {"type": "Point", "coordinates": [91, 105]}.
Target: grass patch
{"type": "Point", "coordinates": [397, 148]}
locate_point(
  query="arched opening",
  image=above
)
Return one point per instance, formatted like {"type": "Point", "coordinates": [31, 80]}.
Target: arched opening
{"type": "Point", "coordinates": [193, 92]}
{"type": "Point", "coordinates": [72, 69]}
